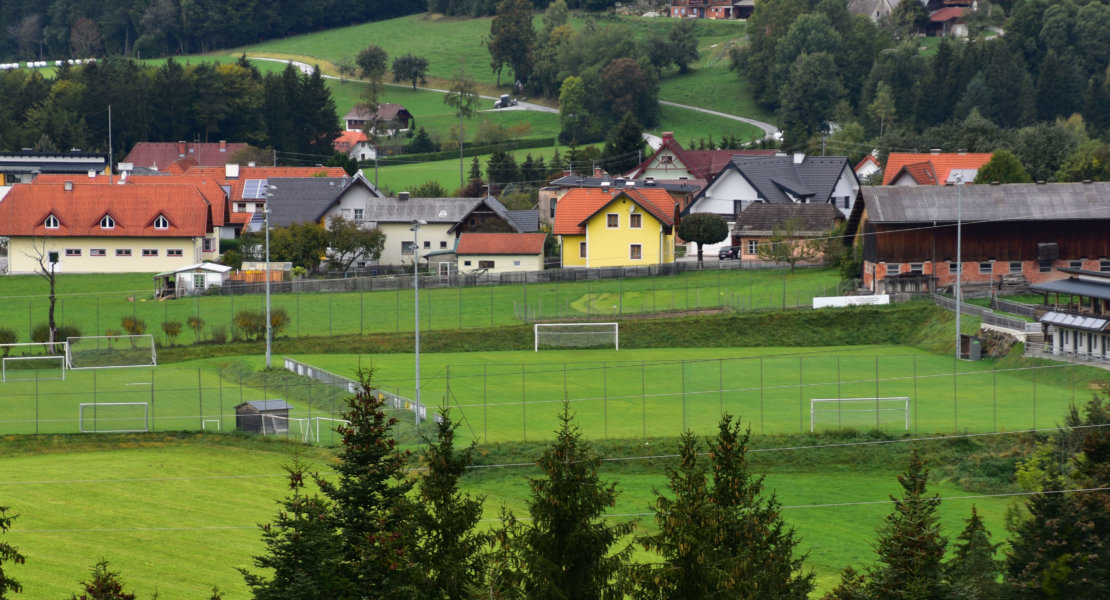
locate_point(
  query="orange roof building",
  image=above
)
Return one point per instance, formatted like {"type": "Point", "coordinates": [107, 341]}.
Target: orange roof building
{"type": "Point", "coordinates": [934, 168]}
{"type": "Point", "coordinates": [500, 252]}
{"type": "Point", "coordinates": [623, 227]}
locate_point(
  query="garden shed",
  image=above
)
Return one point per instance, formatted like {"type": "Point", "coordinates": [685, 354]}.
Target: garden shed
{"type": "Point", "coordinates": [264, 417]}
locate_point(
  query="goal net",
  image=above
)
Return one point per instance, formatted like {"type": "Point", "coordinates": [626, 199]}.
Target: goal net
{"type": "Point", "coordinates": [107, 352]}
{"type": "Point", "coordinates": [326, 430]}
{"type": "Point", "coordinates": [285, 426]}
{"type": "Point", "coordinates": [32, 368]}
{"type": "Point", "coordinates": [114, 417]}
{"type": "Point", "coordinates": [577, 335]}
{"type": "Point", "coordinates": [878, 413]}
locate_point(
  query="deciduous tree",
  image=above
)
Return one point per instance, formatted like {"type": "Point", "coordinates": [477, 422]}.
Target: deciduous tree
{"type": "Point", "coordinates": [349, 241]}
{"type": "Point", "coordinates": [786, 245]}
{"type": "Point", "coordinates": [1003, 167]}
{"type": "Point", "coordinates": [463, 97]}
{"type": "Point", "coordinates": [411, 68]}
{"type": "Point", "coordinates": [683, 45]}
{"type": "Point", "coordinates": [624, 146]}
{"type": "Point", "coordinates": [702, 228]}
{"type": "Point", "coordinates": [512, 39]}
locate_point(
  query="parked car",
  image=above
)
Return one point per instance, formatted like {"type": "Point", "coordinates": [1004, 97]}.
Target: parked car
{"type": "Point", "coordinates": [732, 252]}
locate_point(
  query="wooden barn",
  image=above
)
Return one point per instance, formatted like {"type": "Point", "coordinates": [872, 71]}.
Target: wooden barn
{"type": "Point", "coordinates": [264, 417]}
{"type": "Point", "coordinates": [1013, 234]}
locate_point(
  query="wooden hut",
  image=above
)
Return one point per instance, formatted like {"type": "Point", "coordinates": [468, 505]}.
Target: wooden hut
{"type": "Point", "coordinates": [264, 417]}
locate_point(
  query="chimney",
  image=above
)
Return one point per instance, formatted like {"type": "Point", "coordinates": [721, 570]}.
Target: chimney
{"type": "Point", "coordinates": [69, 186]}
{"type": "Point", "coordinates": [605, 186]}
{"type": "Point", "coordinates": [962, 151]}
{"type": "Point", "coordinates": [181, 149]}
{"type": "Point", "coordinates": [598, 172]}
{"type": "Point", "coordinates": [223, 145]}
{"type": "Point", "coordinates": [251, 164]}
{"type": "Point", "coordinates": [92, 174]}
{"type": "Point", "coordinates": [668, 135]}
{"type": "Point", "coordinates": [649, 181]}
{"type": "Point", "coordinates": [231, 171]}
{"type": "Point", "coordinates": [403, 196]}
{"type": "Point", "coordinates": [934, 150]}
{"type": "Point", "coordinates": [799, 157]}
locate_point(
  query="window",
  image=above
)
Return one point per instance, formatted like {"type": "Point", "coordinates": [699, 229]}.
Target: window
{"type": "Point", "coordinates": [917, 268]}
{"type": "Point", "coordinates": [953, 267]}
{"type": "Point", "coordinates": [360, 264]}
{"type": "Point", "coordinates": [161, 222]}
{"type": "Point", "coordinates": [427, 244]}
{"type": "Point", "coordinates": [466, 263]}
{"type": "Point", "coordinates": [516, 263]}
{"type": "Point", "coordinates": [73, 252]}
{"type": "Point", "coordinates": [1045, 266]}
{"type": "Point", "coordinates": [893, 268]}
{"type": "Point", "coordinates": [107, 222]}
{"type": "Point", "coordinates": [358, 214]}
{"type": "Point", "coordinates": [553, 202]}
{"type": "Point", "coordinates": [175, 253]}
{"type": "Point", "coordinates": [408, 247]}
{"type": "Point", "coordinates": [635, 251]}
{"type": "Point", "coordinates": [209, 245]}
{"type": "Point", "coordinates": [51, 222]}
{"type": "Point", "coordinates": [1104, 266]}
{"type": "Point", "coordinates": [753, 246]}
{"type": "Point", "coordinates": [240, 207]}
{"type": "Point", "coordinates": [443, 244]}
{"type": "Point", "coordinates": [150, 252]}
{"type": "Point", "coordinates": [199, 281]}
{"type": "Point", "coordinates": [1076, 264]}
{"type": "Point", "coordinates": [1015, 266]}
{"type": "Point", "coordinates": [582, 249]}
{"type": "Point", "coordinates": [986, 267]}
{"type": "Point", "coordinates": [123, 252]}
{"type": "Point", "coordinates": [98, 252]}
{"type": "Point", "coordinates": [485, 264]}
{"type": "Point", "coordinates": [635, 220]}
{"type": "Point", "coordinates": [612, 220]}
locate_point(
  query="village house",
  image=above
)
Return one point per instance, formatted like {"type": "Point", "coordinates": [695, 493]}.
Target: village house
{"type": "Point", "coordinates": [614, 227]}
{"type": "Point", "coordinates": [497, 253]}
{"type": "Point", "coordinates": [758, 223]}
{"type": "Point", "coordinates": [933, 168]}
{"type": "Point", "coordinates": [1079, 326]}
{"type": "Point", "coordinates": [159, 156]}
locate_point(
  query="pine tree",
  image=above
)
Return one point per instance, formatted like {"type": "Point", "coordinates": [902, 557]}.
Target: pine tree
{"type": "Point", "coordinates": [450, 548]}
{"type": "Point", "coordinates": [973, 571]}
{"type": "Point", "coordinates": [475, 169]}
{"type": "Point", "coordinates": [624, 146]}
{"type": "Point", "coordinates": [371, 506]}
{"type": "Point", "coordinates": [851, 587]}
{"type": "Point", "coordinates": [567, 549]}
{"type": "Point", "coordinates": [910, 546]}
{"type": "Point", "coordinates": [9, 555]}
{"type": "Point", "coordinates": [104, 585]}
{"type": "Point", "coordinates": [303, 552]}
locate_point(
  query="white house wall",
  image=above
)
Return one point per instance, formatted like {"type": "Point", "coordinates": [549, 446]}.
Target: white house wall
{"type": "Point", "coordinates": [719, 196]}
{"type": "Point", "coordinates": [21, 249]}
{"type": "Point", "coordinates": [846, 186]}
{"type": "Point", "coordinates": [502, 263]}
{"type": "Point", "coordinates": [660, 170]}
{"type": "Point", "coordinates": [435, 234]}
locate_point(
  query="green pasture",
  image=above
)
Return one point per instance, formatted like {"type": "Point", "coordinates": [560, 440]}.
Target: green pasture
{"type": "Point", "coordinates": [96, 303]}
{"type": "Point", "coordinates": [446, 172]}
{"type": "Point", "coordinates": [177, 514]}
{"type": "Point", "coordinates": [645, 393]}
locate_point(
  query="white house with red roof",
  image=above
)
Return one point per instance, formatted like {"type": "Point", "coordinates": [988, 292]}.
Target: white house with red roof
{"type": "Point", "coordinates": [673, 162]}
{"type": "Point", "coordinates": [933, 168]}
{"type": "Point", "coordinates": [81, 227]}
{"type": "Point", "coordinates": [500, 252]}
{"type": "Point", "coordinates": [355, 145]}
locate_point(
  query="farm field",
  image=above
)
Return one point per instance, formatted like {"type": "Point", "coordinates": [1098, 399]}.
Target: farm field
{"type": "Point", "coordinates": [96, 303]}
{"type": "Point", "coordinates": [178, 513]}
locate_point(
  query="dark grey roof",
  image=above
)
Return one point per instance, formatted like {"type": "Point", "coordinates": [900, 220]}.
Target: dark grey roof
{"type": "Point", "coordinates": [761, 218]}
{"type": "Point", "coordinates": [267, 405]}
{"type": "Point", "coordinates": [1075, 321]}
{"type": "Point", "coordinates": [1076, 287]}
{"type": "Point", "coordinates": [1012, 202]}
{"type": "Point", "coordinates": [1084, 272]}
{"type": "Point", "coordinates": [303, 199]}
{"type": "Point", "coordinates": [432, 210]}
{"type": "Point", "coordinates": [814, 177]}
{"type": "Point", "coordinates": [62, 163]}
{"type": "Point", "coordinates": [525, 221]}
{"type": "Point", "coordinates": [671, 185]}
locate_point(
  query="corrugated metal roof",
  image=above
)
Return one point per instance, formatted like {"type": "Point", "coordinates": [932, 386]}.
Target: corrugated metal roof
{"type": "Point", "coordinates": [1013, 202]}
{"type": "Point", "coordinates": [761, 218]}
{"type": "Point", "coordinates": [1075, 321]}
{"type": "Point", "coordinates": [1075, 287]}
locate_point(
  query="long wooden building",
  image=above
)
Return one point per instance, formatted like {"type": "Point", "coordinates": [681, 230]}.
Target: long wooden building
{"type": "Point", "coordinates": [1011, 233]}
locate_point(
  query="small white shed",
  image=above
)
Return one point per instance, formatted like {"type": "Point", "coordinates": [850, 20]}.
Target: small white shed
{"type": "Point", "coordinates": [190, 280]}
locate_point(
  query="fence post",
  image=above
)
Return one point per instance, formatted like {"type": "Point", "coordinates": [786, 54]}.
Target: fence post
{"type": "Point", "coordinates": [605, 398]}
{"type": "Point", "coordinates": [761, 395]}
{"type": "Point", "coordinates": [682, 365]}
{"type": "Point", "coordinates": [955, 397]}
{"type": "Point", "coordinates": [361, 317]}
{"type": "Point", "coordinates": [523, 405]}
{"type": "Point", "coordinates": [447, 394]}
{"type": "Point", "coordinates": [801, 395]}
{"type": "Point", "coordinates": [200, 399]}
{"type": "Point", "coordinates": [643, 401]}
{"type": "Point", "coordinates": [485, 407]}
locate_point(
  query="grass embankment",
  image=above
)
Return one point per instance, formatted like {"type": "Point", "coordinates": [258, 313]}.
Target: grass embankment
{"type": "Point", "coordinates": [178, 513]}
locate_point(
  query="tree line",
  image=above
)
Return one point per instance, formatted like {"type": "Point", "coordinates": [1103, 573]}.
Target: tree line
{"type": "Point", "coordinates": [376, 530]}
{"type": "Point", "coordinates": [485, 8]}
{"type": "Point", "coordinates": [60, 29]}
{"type": "Point", "coordinates": [289, 111]}
{"type": "Point", "coordinates": [816, 64]}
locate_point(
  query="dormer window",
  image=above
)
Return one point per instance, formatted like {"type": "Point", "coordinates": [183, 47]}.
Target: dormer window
{"type": "Point", "coordinates": [51, 222]}
{"type": "Point", "coordinates": [161, 222]}
{"type": "Point", "coordinates": [107, 222]}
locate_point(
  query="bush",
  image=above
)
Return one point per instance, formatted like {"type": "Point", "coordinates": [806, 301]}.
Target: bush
{"type": "Point", "coordinates": [279, 320]}
{"type": "Point", "coordinates": [251, 323]}
{"type": "Point", "coordinates": [196, 324]}
{"type": "Point", "coordinates": [8, 336]}
{"type": "Point", "coordinates": [133, 326]}
{"type": "Point", "coordinates": [219, 334]}
{"type": "Point", "coordinates": [41, 333]}
{"type": "Point", "coordinates": [172, 329]}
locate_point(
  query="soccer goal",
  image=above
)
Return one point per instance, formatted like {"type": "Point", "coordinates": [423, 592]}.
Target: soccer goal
{"type": "Point", "coordinates": [577, 335]}
{"type": "Point", "coordinates": [114, 417]}
{"type": "Point", "coordinates": [109, 352]}
{"type": "Point", "coordinates": [326, 426]}
{"type": "Point", "coordinates": [286, 426]}
{"type": "Point", "coordinates": [33, 368]}
{"type": "Point", "coordinates": [880, 413]}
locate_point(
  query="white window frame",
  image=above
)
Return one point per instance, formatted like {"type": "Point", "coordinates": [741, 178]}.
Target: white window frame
{"type": "Point", "coordinates": [123, 252]}
{"type": "Point", "coordinates": [51, 222]}
{"type": "Point", "coordinates": [73, 252]}
{"type": "Point", "coordinates": [161, 222]}
{"type": "Point", "coordinates": [98, 252]}
{"type": "Point", "coordinates": [175, 253]}
{"type": "Point", "coordinates": [107, 222]}
{"type": "Point", "coordinates": [1017, 263]}
{"type": "Point", "coordinates": [615, 217]}
{"type": "Point", "coordinates": [753, 247]}
{"type": "Point", "coordinates": [150, 253]}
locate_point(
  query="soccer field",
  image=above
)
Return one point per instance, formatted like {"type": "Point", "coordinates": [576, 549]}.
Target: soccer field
{"type": "Point", "coordinates": [507, 396]}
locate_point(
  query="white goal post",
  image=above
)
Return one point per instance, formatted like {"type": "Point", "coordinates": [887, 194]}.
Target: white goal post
{"type": "Point", "coordinates": [576, 335]}
{"type": "Point", "coordinates": [114, 417]}
{"type": "Point", "coordinates": [110, 352]}
{"type": "Point", "coordinates": [33, 368]}
{"type": "Point", "coordinates": [851, 412]}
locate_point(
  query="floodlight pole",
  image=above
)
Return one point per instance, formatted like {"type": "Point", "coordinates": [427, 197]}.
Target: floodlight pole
{"type": "Point", "coordinates": [416, 296]}
{"type": "Point", "coordinates": [959, 254]}
{"type": "Point", "coordinates": [269, 332]}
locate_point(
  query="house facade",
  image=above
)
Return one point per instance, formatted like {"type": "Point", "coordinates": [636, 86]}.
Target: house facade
{"type": "Point", "coordinates": [712, 9]}
{"type": "Point", "coordinates": [757, 223]}
{"type": "Point", "coordinates": [1013, 233]}
{"type": "Point", "coordinates": [933, 168]}
{"type": "Point", "coordinates": [92, 228]}
{"type": "Point", "coordinates": [500, 252]}
{"type": "Point", "coordinates": [355, 145]}
{"type": "Point", "coordinates": [388, 120]}
{"type": "Point", "coordinates": [21, 167]}
{"type": "Point", "coordinates": [1078, 327]}
{"type": "Point", "coordinates": [621, 227]}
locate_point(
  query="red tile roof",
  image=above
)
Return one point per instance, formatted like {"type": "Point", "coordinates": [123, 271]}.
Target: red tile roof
{"type": "Point", "coordinates": [348, 140]}
{"type": "Point", "coordinates": [79, 211]}
{"type": "Point", "coordinates": [580, 204]}
{"type": "Point", "coordinates": [941, 164]}
{"type": "Point", "coordinates": [501, 243]}
{"type": "Point", "coordinates": [946, 14]}
{"type": "Point", "coordinates": [702, 164]}
{"type": "Point", "coordinates": [866, 159]}
{"type": "Point", "coordinates": [163, 154]}
{"type": "Point", "coordinates": [208, 186]}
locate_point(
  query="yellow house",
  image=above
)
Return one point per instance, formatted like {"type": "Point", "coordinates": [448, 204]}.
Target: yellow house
{"type": "Point", "coordinates": [623, 227]}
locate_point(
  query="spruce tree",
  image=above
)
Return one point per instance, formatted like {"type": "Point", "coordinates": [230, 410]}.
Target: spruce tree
{"type": "Point", "coordinates": [450, 547]}
{"type": "Point", "coordinates": [973, 571]}
{"type": "Point", "coordinates": [105, 584]}
{"type": "Point", "coordinates": [371, 507]}
{"type": "Point", "coordinates": [566, 551]}
{"type": "Point", "coordinates": [475, 169]}
{"type": "Point", "coordinates": [9, 555]}
{"type": "Point", "coordinates": [624, 146]}
{"type": "Point", "coordinates": [910, 547]}
{"type": "Point", "coordinates": [302, 546]}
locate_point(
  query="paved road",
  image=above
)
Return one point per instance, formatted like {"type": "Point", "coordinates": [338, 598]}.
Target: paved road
{"type": "Point", "coordinates": [769, 130]}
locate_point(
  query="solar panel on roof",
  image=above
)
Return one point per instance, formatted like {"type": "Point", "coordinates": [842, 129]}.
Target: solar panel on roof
{"type": "Point", "coordinates": [258, 221]}
{"type": "Point", "coordinates": [254, 189]}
